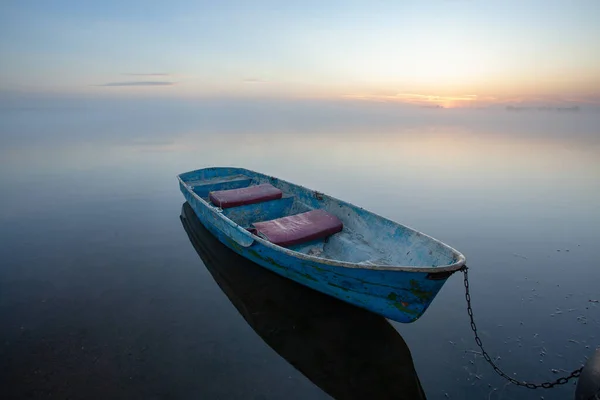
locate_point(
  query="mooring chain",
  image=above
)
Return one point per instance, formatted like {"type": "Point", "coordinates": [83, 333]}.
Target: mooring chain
{"type": "Point", "coordinates": [545, 385]}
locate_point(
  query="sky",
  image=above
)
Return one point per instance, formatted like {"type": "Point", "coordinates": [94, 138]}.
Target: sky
{"type": "Point", "coordinates": [452, 53]}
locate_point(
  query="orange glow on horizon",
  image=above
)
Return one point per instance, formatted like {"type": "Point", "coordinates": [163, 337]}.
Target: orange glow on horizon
{"type": "Point", "coordinates": [430, 95]}
{"type": "Point", "coordinates": [428, 100]}
{"type": "Point", "coordinates": [471, 100]}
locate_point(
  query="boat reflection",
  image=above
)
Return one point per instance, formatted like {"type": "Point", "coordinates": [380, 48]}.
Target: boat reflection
{"type": "Point", "coordinates": [346, 351]}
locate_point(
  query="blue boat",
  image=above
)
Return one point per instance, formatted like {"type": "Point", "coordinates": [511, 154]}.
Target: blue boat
{"type": "Point", "coordinates": [370, 360]}
{"type": "Point", "coordinates": [321, 242]}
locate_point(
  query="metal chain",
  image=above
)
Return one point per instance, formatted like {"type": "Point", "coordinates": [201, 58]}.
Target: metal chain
{"type": "Point", "coordinates": [545, 385]}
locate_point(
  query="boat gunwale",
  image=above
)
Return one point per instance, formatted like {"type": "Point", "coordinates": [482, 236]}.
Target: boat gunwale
{"type": "Point", "coordinates": [338, 263]}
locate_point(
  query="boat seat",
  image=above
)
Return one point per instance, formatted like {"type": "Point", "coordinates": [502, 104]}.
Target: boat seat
{"type": "Point", "coordinates": [242, 196]}
{"type": "Point", "coordinates": [299, 228]}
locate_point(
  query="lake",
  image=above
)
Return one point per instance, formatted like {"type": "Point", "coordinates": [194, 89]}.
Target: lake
{"type": "Point", "coordinates": [104, 293]}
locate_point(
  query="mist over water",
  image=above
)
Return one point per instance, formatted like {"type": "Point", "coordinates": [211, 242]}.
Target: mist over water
{"type": "Point", "coordinates": [94, 256]}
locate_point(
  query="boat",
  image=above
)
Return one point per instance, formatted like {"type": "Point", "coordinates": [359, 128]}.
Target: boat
{"type": "Point", "coordinates": [346, 351]}
{"type": "Point", "coordinates": [324, 243]}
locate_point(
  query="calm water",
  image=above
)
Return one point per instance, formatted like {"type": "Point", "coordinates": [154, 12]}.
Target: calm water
{"type": "Point", "coordinates": [105, 294]}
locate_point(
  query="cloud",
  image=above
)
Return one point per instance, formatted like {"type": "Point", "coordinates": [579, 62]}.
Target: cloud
{"type": "Point", "coordinates": [139, 83]}
{"type": "Point", "coordinates": [150, 74]}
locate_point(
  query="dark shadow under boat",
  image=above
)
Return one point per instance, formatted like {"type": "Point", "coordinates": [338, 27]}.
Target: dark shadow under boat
{"type": "Point", "coordinates": [346, 351]}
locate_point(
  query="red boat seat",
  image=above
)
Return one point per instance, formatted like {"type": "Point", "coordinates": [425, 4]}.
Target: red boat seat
{"type": "Point", "coordinates": [248, 195]}
{"type": "Point", "coordinates": [299, 228]}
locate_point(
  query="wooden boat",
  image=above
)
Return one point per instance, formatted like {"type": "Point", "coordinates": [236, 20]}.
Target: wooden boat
{"type": "Point", "coordinates": [321, 242]}
{"type": "Point", "coordinates": [346, 351]}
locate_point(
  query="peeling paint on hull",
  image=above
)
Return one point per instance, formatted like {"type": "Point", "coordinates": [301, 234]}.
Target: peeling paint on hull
{"type": "Point", "coordinates": [402, 294]}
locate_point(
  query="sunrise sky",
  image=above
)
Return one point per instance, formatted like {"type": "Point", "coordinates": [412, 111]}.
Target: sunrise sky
{"type": "Point", "coordinates": [451, 53]}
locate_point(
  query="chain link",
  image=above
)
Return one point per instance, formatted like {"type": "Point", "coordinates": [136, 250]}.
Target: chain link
{"type": "Point", "coordinates": [529, 385]}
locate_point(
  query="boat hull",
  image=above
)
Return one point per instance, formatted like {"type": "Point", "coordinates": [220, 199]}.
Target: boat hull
{"type": "Point", "coordinates": [401, 296]}
{"type": "Point", "coordinates": [370, 360]}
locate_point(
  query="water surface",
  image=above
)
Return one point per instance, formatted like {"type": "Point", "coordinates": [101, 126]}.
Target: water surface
{"type": "Point", "coordinates": [102, 293]}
